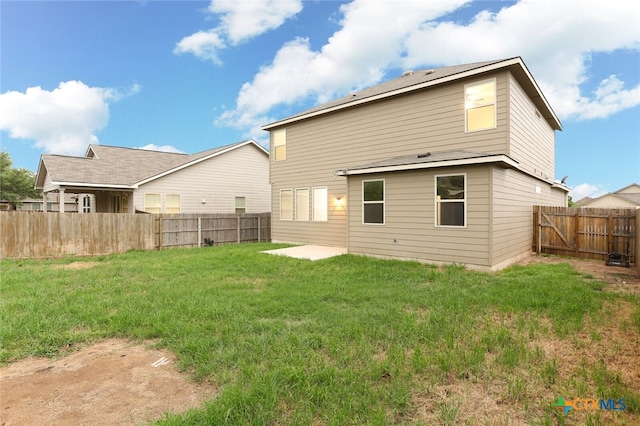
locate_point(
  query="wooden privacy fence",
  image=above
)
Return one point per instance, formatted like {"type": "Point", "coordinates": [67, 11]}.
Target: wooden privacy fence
{"type": "Point", "coordinates": [194, 230]}
{"type": "Point", "coordinates": [585, 232]}
{"type": "Point", "coordinates": [54, 234]}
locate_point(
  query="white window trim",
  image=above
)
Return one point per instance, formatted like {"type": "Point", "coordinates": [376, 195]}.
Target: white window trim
{"type": "Point", "coordinates": [326, 204]}
{"type": "Point", "coordinates": [383, 202]}
{"type": "Point", "coordinates": [495, 104]}
{"type": "Point", "coordinates": [292, 200]}
{"type": "Point", "coordinates": [295, 205]}
{"type": "Point", "coordinates": [436, 202]}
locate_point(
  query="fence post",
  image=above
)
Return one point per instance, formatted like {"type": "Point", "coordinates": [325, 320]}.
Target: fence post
{"type": "Point", "coordinates": [238, 229]}
{"type": "Point", "coordinates": [610, 232]}
{"type": "Point", "coordinates": [637, 253]}
{"type": "Point", "coordinates": [539, 229]}
{"type": "Point", "coordinates": [577, 234]}
{"type": "Point", "coordinates": [259, 228]}
{"type": "Point", "coordinates": [160, 233]}
{"type": "Point", "coordinates": [199, 231]}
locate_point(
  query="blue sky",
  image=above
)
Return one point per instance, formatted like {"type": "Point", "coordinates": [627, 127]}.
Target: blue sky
{"type": "Point", "coordinates": [193, 75]}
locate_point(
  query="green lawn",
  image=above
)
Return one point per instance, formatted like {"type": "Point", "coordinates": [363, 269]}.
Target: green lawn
{"type": "Point", "coordinates": [346, 340]}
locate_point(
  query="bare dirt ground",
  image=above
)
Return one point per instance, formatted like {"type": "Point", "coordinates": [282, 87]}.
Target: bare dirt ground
{"type": "Point", "coordinates": [118, 382]}
{"type": "Point", "coordinates": [620, 279]}
{"type": "Point", "coordinates": [113, 382]}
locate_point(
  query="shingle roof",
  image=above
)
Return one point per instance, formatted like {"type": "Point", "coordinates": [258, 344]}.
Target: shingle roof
{"type": "Point", "coordinates": [426, 160]}
{"type": "Point", "coordinates": [634, 198]}
{"type": "Point", "coordinates": [117, 166]}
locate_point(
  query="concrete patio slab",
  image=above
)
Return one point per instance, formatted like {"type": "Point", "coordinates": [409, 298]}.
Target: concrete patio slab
{"type": "Point", "coordinates": [310, 252]}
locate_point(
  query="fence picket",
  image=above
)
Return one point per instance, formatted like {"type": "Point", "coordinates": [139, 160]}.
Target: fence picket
{"type": "Point", "coordinates": [38, 234]}
{"type": "Point", "coordinates": [585, 232]}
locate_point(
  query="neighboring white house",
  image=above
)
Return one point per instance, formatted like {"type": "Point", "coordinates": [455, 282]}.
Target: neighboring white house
{"type": "Point", "coordinates": [108, 179]}
{"type": "Point", "coordinates": [627, 197]}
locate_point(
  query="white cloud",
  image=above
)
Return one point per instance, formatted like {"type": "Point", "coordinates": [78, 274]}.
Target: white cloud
{"type": "Point", "coordinates": [203, 44]}
{"type": "Point", "coordinates": [61, 121]}
{"type": "Point", "coordinates": [555, 39]}
{"type": "Point", "coordinates": [586, 190]}
{"type": "Point", "coordinates": [163, 148]}
{"type": "Point", "coordinates": [239, 21]}
{"type": "Point", "coordinates": [356, 56]}
{"type": "Point", "coordinates": [243, 20]}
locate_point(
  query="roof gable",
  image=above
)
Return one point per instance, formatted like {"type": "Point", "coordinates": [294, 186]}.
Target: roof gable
{"type": "Point", "coordinates": [634, 188]}
{"type": "Point", "coordinates": [419, 80]}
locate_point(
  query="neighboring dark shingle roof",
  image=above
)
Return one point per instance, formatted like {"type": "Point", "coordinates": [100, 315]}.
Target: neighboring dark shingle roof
{"type": "Point", "coordinates": [634, 198]}
{"type": "Point", "coordinates": [582, 201]}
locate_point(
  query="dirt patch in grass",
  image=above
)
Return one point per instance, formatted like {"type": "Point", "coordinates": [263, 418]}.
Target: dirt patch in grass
{"type": "Point", "coordinates": [111, 382]}
{"type": "Point", "coordinates": [76, 265]}
{"type": "Point", "coordinates": [621, 279]}
{"type": "Point", "coordinates": [608, 345]}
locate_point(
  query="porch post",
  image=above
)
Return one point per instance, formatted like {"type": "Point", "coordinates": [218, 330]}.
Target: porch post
{"type": "Point", "coordinates": [61, 200]}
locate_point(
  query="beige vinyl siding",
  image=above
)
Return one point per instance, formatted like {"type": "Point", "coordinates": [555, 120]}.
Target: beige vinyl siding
{"type": "Point", "coordinates": [48, 186]}
{"type": "Point", "coordinates": [610, 201]}
{"type": "Point", "coordinates": [425, 121]}
{"type": "Point", "coordinates": [331, 233]}
{"type": "Point", "coordinates": [242, 172]}
{"type": "Point", "coordinates": [514, 195]}
{"type": "Point", "coordinates": [532, 140]}
{"type": "Point", "coordinates": [409, 231]}
{"type": "Point", "coordinates": [631, 189]}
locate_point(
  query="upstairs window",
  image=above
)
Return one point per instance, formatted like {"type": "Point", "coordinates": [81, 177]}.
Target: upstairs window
{"type": "Point", "coordinates": [480, 105]}
{"type": "Point", "coordinates": [451, 200]}
{"type": "Point", "coordinates": [280, 144]}
{"type": "Point", "coordinates": [373, 202]}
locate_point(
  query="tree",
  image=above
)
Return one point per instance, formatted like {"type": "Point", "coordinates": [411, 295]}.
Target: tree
{"type": "Point", "coordinates": [15, 184]}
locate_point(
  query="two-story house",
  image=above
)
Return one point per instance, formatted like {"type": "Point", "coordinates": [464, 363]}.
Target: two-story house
{"type": "Point", "coordinates": [440, 165]}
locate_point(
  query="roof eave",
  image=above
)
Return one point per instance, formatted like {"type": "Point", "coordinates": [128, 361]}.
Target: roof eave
{"type": "Point", "coordinates": [561, 186]}
{"type": "Point", "coordinates": [504, 160]}
{"type": "Point", "coordinates": [94, 185]}
{"type": "Point", "coordinates": [39, 181]}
